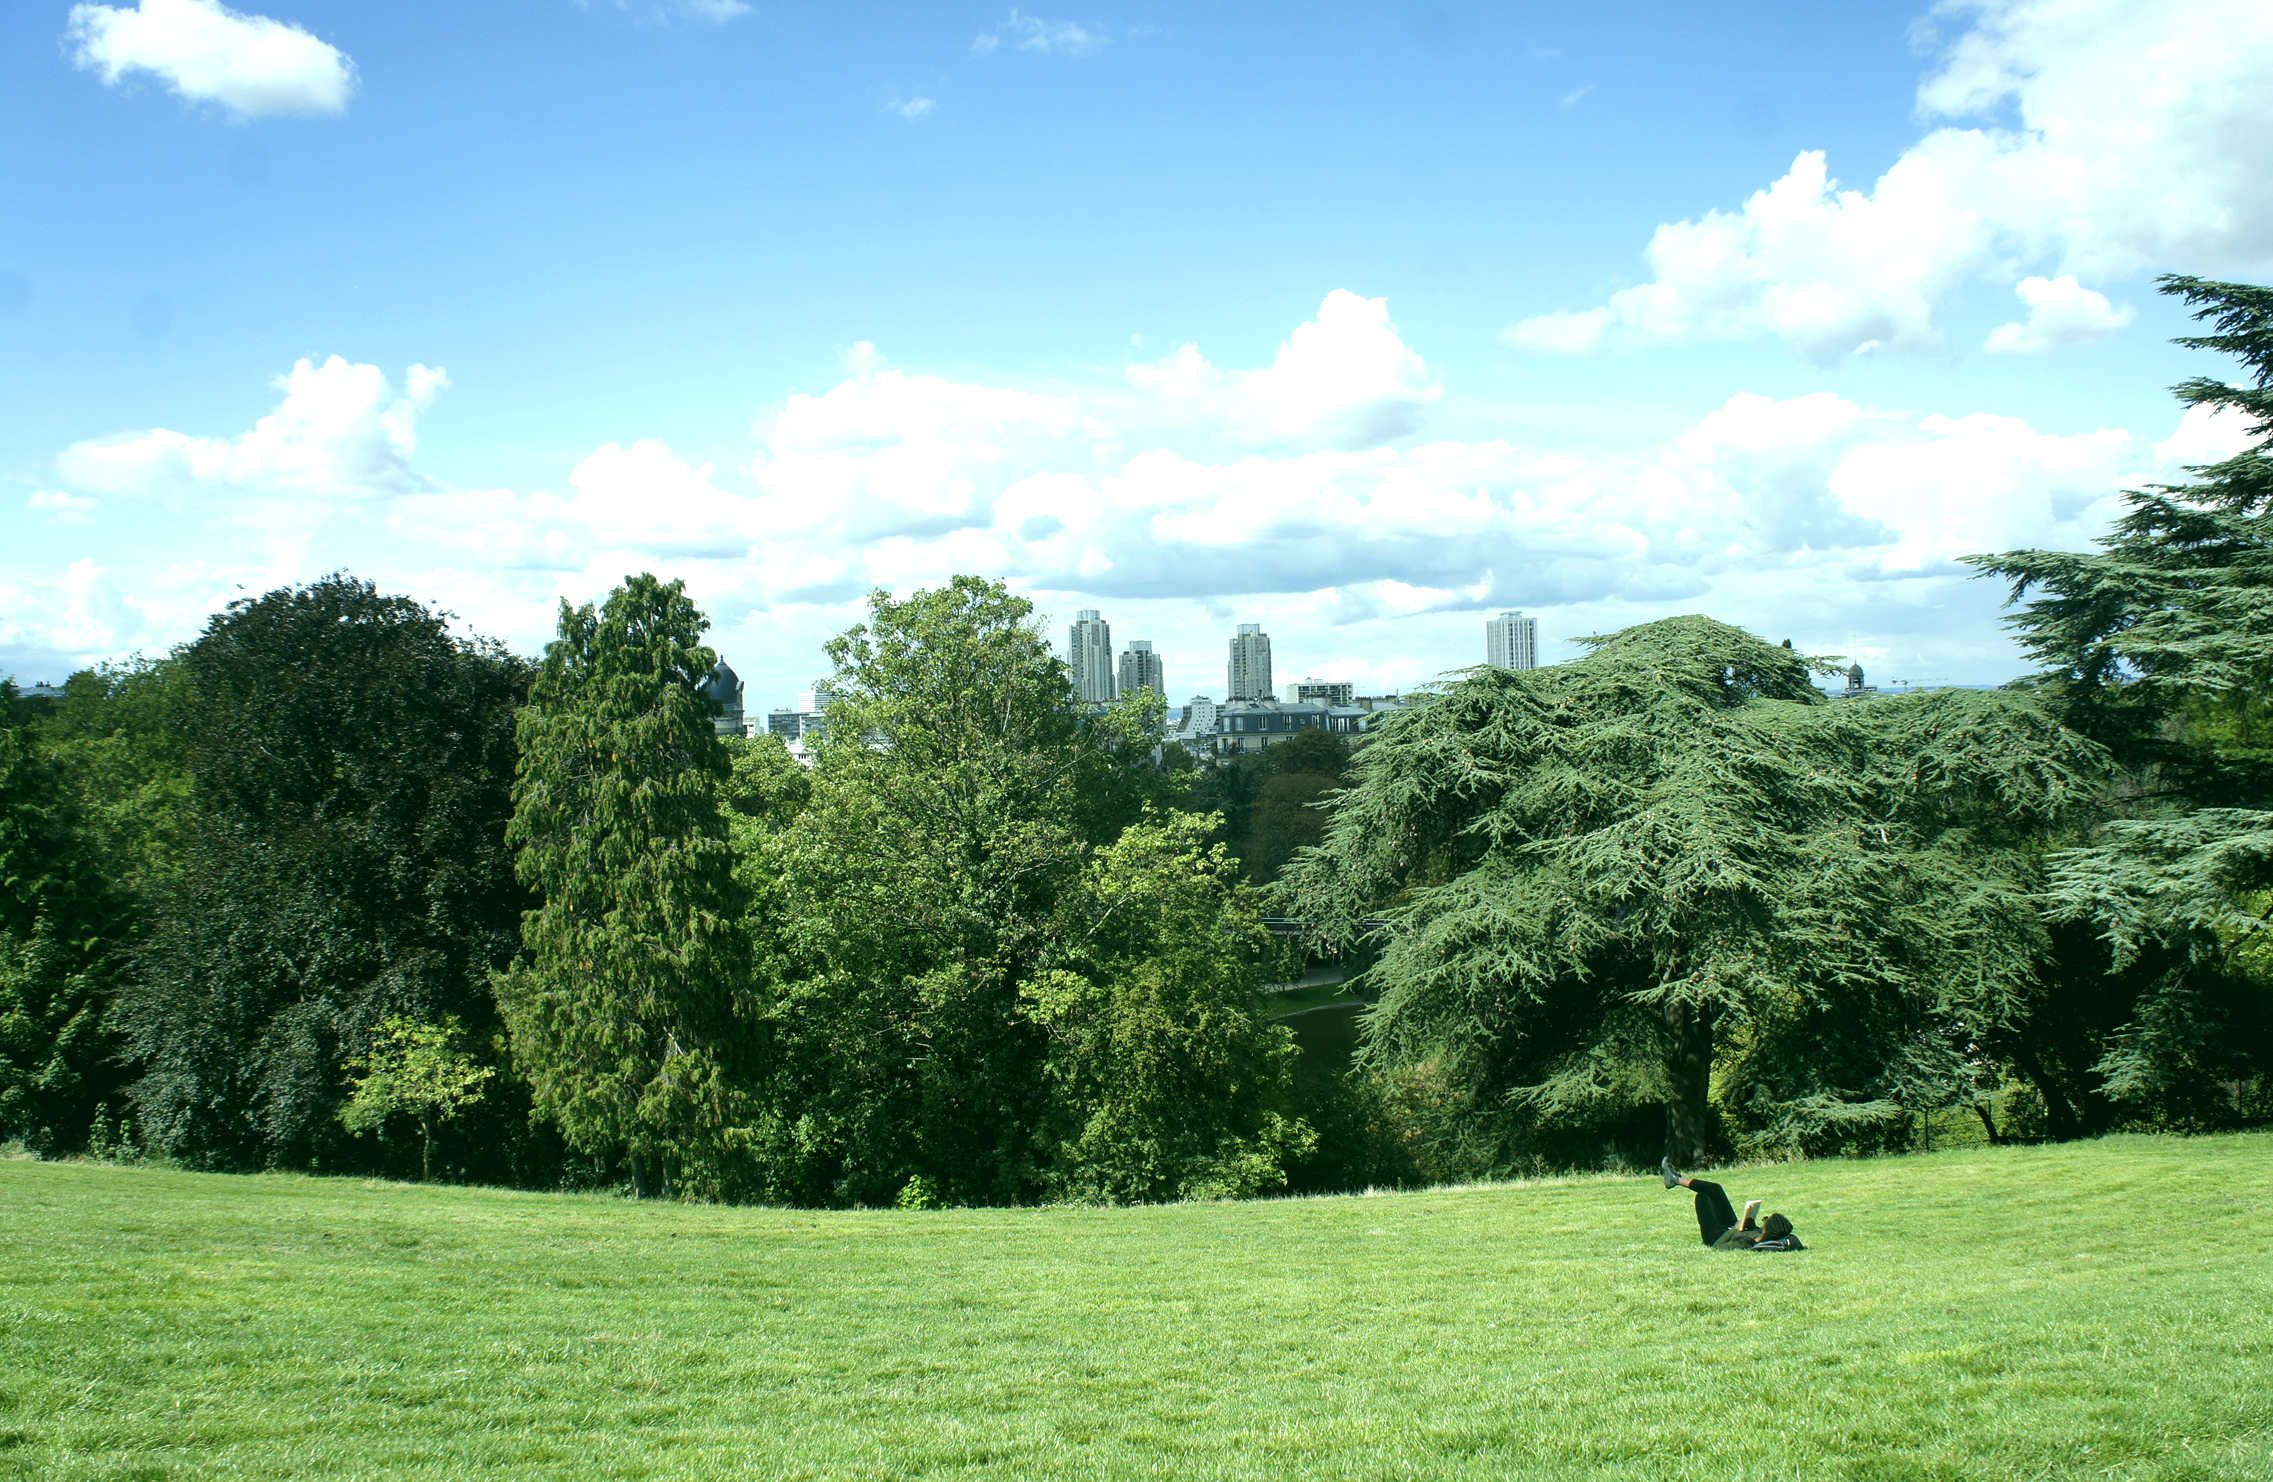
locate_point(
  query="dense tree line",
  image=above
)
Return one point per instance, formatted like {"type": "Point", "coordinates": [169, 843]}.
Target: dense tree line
{"type": "Point", "coordinates": [335, 887]}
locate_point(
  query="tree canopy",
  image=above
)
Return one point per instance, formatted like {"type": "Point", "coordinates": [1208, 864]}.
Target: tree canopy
{"type": "Point", "coordinates": [2160, 641]}
{"type": "Point", "coordinates": [60, 923]}
{"type": "Point", "coordinates": [932, 931]}
{"type": "Point", "coordinates": [1609, 881]}
{"type": "Point", "coordinates": [628, 1008]}
{"type": "Point", "coordinates": [343, 861]}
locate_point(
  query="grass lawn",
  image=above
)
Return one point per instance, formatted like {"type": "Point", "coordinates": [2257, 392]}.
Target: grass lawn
{"type": "Point", "coordinates": [1286, 1001]}
{"type": "Point", "coordinates": [2095, 1310]}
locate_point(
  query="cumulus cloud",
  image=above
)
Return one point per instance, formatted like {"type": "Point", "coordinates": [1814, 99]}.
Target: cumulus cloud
{"type": "Point", "coordinates": [911, 109]}
{"type": "Point", "coordinates": [78, 614]}
{"type": "Point", "coordinates": [2061, 311]}
{"type": "Point", "coordinates": [2207, 435]}
{"type": "Point", "coordinates": [889, 452]}
{"type": "Point", "coordinates": [1758, 485]}
{"type": "Point", "coordinates": [1177, 494]}
{"type": "Point", "coordinates": [207, 53]}
{"type": "Point", "coordinates": [340, 429]}
{"type": "Point", "coordinates": [62, 508]}
{"type": "Point", "coordinates": [1346, 377]}
{"type": "Point", "coordinates": [2102, 137]}
{"type": "Point", "coordinates": [1033, 33]}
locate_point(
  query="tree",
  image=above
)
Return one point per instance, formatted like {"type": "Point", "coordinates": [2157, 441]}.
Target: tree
{"type": "Point", "coordinates": [115, 738]}
{"type": "Point", "coordinates": [1606, 881]}
{"type": "Point", "coordinates": [2160, 643]}
{"type": "Point", "coordinates": [58, 916]}
{"type": "Point", "coordinates": [628, 1008]}
{"type": "Point", "coordinates": [342, 861]}
{"type": "Point", "coordinates": [1268, 800]}
{"type": "Point", "coordinates": [1163, 1083]}
{"type": "Point", "coordinates": [921, 925]}
{"type": "Point", "coordinates": [417, 1070]}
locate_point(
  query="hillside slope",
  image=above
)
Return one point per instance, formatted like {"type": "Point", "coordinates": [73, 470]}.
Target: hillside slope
{"type": "Point", "coordinates": [2100, 1309]}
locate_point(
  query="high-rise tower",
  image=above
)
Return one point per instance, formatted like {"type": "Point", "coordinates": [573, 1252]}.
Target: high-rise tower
{"type": "Point", "coordinates": [1249, 676]}
{"type": "Point", "coordinates": [1511, 641]}
{"type": "Point", "coordinates": [1140, 669]}
{"type": "Point", "coordinates": [1089, 653]}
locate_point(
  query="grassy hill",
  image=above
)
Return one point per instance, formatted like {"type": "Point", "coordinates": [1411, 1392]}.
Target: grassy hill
{"type": "Point", "coordinates": [2096, 1310]}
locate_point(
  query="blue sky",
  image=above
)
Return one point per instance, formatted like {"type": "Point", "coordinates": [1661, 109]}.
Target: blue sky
{"type": "Point", "coordinates": [1345, 320]}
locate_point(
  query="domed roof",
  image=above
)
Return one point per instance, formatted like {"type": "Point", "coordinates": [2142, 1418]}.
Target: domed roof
{"type": "Point", "coordinates": [724, 687]}
{"type": "Point", "coordinates": [1854, 674]}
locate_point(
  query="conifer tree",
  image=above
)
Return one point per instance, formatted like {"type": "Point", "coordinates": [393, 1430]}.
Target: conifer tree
{"type": "Point", "coordinates": [1612, 884]}
{"type": "Point", "coordinates": [625, 1009]}
{"type": "Point", "coordinates": [2160, 642]}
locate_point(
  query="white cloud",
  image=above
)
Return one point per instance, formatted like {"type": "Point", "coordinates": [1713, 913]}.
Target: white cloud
{"type": "Point", "coordinates": [2061, 311]}
{"type": "Point", "coordinates": [889, 452]}
{"type": "Point", "coordinates": [340, 429]}
{"type": "Point", "coordinates": [1344, 378]}
{"type": "Point", "coordinates": [75, 616]}
{"type": "Point", "coordinates": [62, 508]}
{"type": "Point", "coordinates": [2100, 137]}
{"type": "Point", "coordinates": [2206, 435]}
{"type": "Point", "coordinates": [1801, 516]}
{"type": "Point", "coordinates": [208, 53]}
{"type": "Point", "coordinates": [647, 498]}
{"type": "Point", "coordinates": [1562, 333]}
{"type": "Point", "coordinates": [1022, 32]}
{"type": "Point", "coordinates": [911, 109]}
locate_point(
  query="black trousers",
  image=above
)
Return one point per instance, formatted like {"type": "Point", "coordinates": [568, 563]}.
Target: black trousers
{"type": "Point", "coordinates": [1715, 1215]}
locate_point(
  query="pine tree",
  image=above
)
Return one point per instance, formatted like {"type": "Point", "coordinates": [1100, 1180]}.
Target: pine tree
{"type": "Point", "coordinates": [627, 1008]}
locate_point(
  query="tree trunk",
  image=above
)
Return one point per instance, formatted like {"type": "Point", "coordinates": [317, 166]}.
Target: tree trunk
{"type": "Point", "coordinates": [2061, 1123]}
{"type": "Point", "coordinates": [425, 1152]}
{"type": "Point", "coordinates": [1689, 1065]}
{"type": "Point", "coordinates": [642, 1178]}
{"type": "Point", "coordinates": [1988, 1122]}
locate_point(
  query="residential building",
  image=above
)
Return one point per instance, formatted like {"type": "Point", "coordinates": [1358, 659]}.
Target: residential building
{"type": "Point", "coordinates": [1089, 654]}
{"type": "Point", "coordinates": [1322, 692]}
{"type": "Point", "coordinates": [1140, 669]}
{"type": "Point", "coordinates": [1246, 726]}
{"type": "Point", "coordinates": [806, 720]}
{"type": "Point", "coordinates": [1249, 674]}
{"type": "Point", "coordinates": [1511, 641]}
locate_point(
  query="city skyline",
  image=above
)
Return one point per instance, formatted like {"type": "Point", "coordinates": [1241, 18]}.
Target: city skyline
{"type": "Point", "coordinates": [1216, 351]}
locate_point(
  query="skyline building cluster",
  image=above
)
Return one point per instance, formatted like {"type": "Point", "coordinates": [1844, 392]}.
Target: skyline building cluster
{"type": "Point", "coordinates": [1251, 716]}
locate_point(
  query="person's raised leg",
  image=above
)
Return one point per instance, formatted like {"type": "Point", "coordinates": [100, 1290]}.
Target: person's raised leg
{"type": "Point", "coordinates": [1715, 1216]}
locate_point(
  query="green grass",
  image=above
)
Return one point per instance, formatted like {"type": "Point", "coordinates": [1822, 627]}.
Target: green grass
{"type": "Point", "coordinates": [1286, 1001]}
{"type": "Point", "coordinates": [2095, 1310]}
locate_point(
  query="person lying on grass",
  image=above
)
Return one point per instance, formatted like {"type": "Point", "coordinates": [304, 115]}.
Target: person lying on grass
{"type": "Point", "coordinates": [1717, 1223]}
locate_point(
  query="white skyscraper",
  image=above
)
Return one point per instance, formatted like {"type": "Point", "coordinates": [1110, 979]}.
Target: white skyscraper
{"type": "Point", "coordinates": [1089, 653]}
{"type": "Point", "coordinates": [1511, 641]}
{"type": "Point", "coordinates": [1249, 676]}
{"type": "Point", "coordinates": [1140, 669]}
